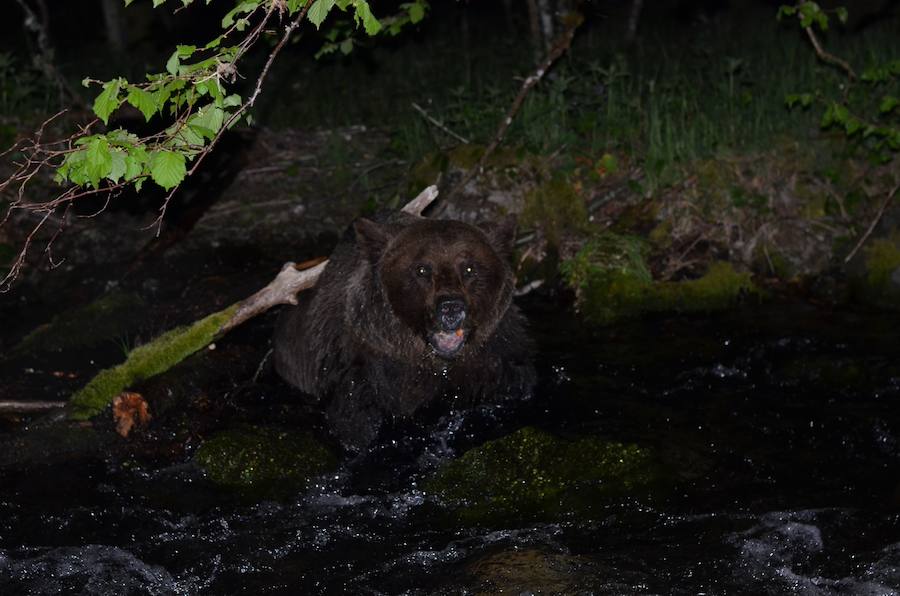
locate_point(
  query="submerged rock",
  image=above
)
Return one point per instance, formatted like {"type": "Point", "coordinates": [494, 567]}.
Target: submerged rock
{"type": "Point", "coordinates": [532, 474]}
{"type": "Point", "coordinates": [92, 569]}
{"type": "Point", "coordinates": [533, 571]}
{"type": "Point", "coordinates": [877, 277]}
{"type": "Point", "coordinates": [264, 461]}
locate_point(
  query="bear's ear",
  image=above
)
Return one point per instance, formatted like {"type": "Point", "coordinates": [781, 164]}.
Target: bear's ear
{"type": "Point", "coordinates": [371, 237]}
{"type": "Point", "coordinates": [502, 234]}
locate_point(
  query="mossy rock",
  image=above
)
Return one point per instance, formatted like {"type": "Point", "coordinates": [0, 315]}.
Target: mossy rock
{"type": "Point", "coordinates": [879, 282]}
{"type": "Point", "coordinates": [263, 461]}
{"type": "Point", "coordinates": [109, 318]}
{"type": "Point", "coordinates": [532, 474]}
{"type": "Point", "coordinates": [612, 282]}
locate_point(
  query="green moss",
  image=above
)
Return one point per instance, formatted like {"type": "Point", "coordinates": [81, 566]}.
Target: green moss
{"type": "Point", "coordinates": [146, 361]}
{"type": "Point", "coordinates": [264, 462]}
{"type": "Point", "coordinates": [882, 258]}
{"type": "Point", "coordinates": [612, 282]}
{"type": "Point", "coordinates": [555, 208]}
{"type": "Point", "coordinates": [107, 318]}
{"type": "Point", "coordinates": [465, 157]}
{"type": "Point", "coordinates": [531, 474]}
{"type": "Point", "coordinates": [720, 288]}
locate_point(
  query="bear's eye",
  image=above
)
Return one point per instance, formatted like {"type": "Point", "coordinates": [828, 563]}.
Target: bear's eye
{"type": "Point", "coordinates": [468, 270]}
{"type": "Point", "coordinates": [423, 270]}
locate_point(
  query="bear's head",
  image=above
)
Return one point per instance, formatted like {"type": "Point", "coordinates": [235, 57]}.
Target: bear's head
{"type": "Point", "coordinates": [448, 281]}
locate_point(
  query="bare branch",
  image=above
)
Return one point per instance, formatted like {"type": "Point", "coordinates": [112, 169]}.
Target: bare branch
{"type": "Point", "coordinates": [872, 225]}
{"type": "Point", "coordinates": [825, 56]}
{"type": "Point", "coordinates": [558, 49]}
{"type": "Point", "coordinates": [24, 407]}
{"type": "Point", "coordinates": [439, 124]}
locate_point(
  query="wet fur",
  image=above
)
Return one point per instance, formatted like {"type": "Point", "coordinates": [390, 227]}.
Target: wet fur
{"type": "Point", "coordinates": [358, 338]}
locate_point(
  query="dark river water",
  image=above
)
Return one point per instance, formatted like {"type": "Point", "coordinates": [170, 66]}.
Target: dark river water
{"type": "Point", "coordinates": [780, 426]}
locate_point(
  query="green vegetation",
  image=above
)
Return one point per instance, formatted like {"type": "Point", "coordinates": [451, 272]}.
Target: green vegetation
{"type": "Point", "coordinates": [145, 361]}
{"type": "Point", "coordinates": [879, 285]}
{"type": "Point", "coordinates": [263, 461]}
{"type": "Point", "coordinates": [670, 100]}
{"type": "Point", "coordinates": [531, 474]}
{"type": "Point", "coordinates": [612, 282]}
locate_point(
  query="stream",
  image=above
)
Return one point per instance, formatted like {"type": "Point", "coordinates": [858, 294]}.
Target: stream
{"type": "Point", "coordinates": [778, 426]}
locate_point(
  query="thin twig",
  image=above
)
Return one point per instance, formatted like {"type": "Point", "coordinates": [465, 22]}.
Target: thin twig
{"type": "Point", "coordinates": [439, 124]}
{"type": "Point", "coordinates": [558, 49]}
{"type": "Point", "coordinates": [828, 57]}
{"type": "Point", "coordinates": [21, 407]}
{"type": "Point", "coordinates": [872, 225]}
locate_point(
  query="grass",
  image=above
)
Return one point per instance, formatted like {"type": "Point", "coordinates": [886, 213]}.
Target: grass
{"type": "Point", "coordinates": [678, 95]}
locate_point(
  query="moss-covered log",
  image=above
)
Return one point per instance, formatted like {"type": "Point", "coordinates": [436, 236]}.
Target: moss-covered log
{"type": "Point", "coordinates": [146, 361]}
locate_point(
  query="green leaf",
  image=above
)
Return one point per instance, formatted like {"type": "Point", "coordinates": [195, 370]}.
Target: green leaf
{"type": "Point", "coordinates": [416, 12]}
{"type": "Point", "coordinates": [231, 101]}
{"type": "Point", "coordinates": [108, 100]}
{"type": "Point", "coordinates": [118, 168]}
{"type": "Point", "coordinates": [245, 7]}
{"type": "Point", "coordinates": [133, 168]}
{"type": "Point", "coordinates": [208, 120]}
{"type": "Point", "coordinates": [142, 100]}
{"type": "Point", "coordinates": [167, 168]}
{"type": "Point", "coordinates": [97, 160]}
{"type": "Point", "coordinates": [888, 104]}
{"type": "Point", "coordinates": [121, 136]}
{"type": "Point", "coordinates": [318, 11]}
{"type": "Point", "coordinates": [183, 137]}
{"type": "Point", "coordinates": [157, 3]}
{"type": "Point", "coordinates": [841, 14]}
{"type": "Point", "coordinates": [347, 46]}
{"type": "Point", "coordinates": [364, 14]}
{"type": "Point", "coordinates": [785, 11]}
{"type": "Point", "coordinates": [173, 63]}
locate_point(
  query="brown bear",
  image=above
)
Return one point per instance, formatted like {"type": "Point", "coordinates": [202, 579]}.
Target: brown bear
{"type": "Point", "coordinates": [408, 313]}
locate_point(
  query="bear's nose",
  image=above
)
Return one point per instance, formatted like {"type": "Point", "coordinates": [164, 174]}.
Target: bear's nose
{"type": "Point", "coordinates": [451, 313]}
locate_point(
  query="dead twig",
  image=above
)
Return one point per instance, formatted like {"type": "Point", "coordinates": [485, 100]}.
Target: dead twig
{"type": "Point", "coordinates": [24, 407]}
{"type": "Point", "coordinates": [294, 278]}
{"type": "Point", "coordinates": [872, 225]}
{"type": "Point", "coordinates": [439, 124]}
{"type": "Point", "coordinates": [828, 57]}
{"type": "Point", "coordinates": [558, 49]}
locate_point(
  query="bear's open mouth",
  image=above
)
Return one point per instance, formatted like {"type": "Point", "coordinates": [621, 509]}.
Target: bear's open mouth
{"type": "Point", "coordinates": [447, 343]}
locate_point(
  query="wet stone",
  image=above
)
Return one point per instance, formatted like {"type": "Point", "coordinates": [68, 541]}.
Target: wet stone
{"type": "Point", "coordinates": [264, 462]}
{"type": "Point", "coordinates": [532, 474]}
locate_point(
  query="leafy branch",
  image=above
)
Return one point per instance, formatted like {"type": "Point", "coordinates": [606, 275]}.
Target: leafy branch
{"type": "Point", "coordinates": [879, 130]}
{"type": "Point", "coordinates": [879, 127]}
{"type": "Point", "coordinates": [191, 102]}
